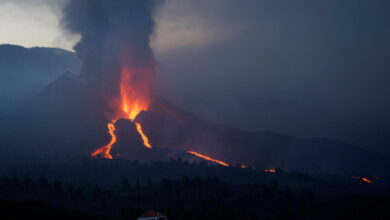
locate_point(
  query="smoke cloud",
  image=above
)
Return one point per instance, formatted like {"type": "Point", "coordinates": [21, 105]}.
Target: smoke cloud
{"type": "Point", "coordinates": [112, 32]}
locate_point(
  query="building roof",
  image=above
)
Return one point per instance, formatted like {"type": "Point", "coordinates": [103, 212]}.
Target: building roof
{"type": "Point", "coordinates": [151, 213]}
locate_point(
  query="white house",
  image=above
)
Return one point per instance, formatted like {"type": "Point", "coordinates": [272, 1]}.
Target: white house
{"type": "Point", "coordinates": [152, 215]}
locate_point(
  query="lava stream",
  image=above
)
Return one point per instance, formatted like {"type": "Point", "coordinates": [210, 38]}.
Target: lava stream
{"type": "Point", "coordinates": [270, 171]}
{"type": "Point", "coordinates": [364, 179]}
{"type": "Point", "coordinates": [105, 151]}
{"type": "Point", "coordinates": [208, 158]}
{"type": "Point", "coordinates": [133, 99]}
{"type": "Point", "coordinates": [367, 180]}
{"type": "Point", "coordinates": [145, 139]}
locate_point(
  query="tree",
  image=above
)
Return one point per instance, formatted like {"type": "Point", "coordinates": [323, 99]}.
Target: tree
{"type": "Point", "coordinates": [58, 187]}
{"type": "Point", "coordinates": [28, 182]}
{"type": "Point", "coordinates": [43, 183]}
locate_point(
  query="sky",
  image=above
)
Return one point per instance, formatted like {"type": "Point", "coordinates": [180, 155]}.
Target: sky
{"type": "Point", "coordinates": [304, 67]}
{"type": "Point", "coordinates": [40, 21]}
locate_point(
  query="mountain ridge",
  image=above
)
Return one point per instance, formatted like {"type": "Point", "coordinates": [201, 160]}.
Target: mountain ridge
{"type": "Point", "coordinates": [71, 105]}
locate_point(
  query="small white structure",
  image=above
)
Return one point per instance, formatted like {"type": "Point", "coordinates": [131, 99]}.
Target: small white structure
{"type": "Point", "coordinates": [152, 215]}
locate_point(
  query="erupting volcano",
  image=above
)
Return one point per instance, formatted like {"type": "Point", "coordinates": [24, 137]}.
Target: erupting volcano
{"type": "Point", "coordinates": [119, 66]}
{"type": "Point", "coordinates": [118, 71]}
{"type": "Point", "coordinates": [134, 97]}
{"type": "Point", "coordinates": [117, 60]}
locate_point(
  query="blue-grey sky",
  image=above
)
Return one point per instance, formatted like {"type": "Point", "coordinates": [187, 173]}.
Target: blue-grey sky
{"type": "Point", "coordinates": [37, 23]}
{"type": "Point", "coordinates": [304, 67]}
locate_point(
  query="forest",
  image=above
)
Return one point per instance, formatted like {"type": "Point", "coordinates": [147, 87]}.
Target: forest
{"type": "Point", "coordinates": [208, 192]}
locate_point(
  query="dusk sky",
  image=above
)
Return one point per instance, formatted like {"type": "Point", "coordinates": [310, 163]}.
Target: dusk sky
{"type": "Point", "coordinates": [40, 21]}
{"type": "Point", "coordinates": [305, 68]}
{"type": "Point", "coordinates": [194, 109]}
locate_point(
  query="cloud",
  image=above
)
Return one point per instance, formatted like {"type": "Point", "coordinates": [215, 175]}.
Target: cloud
{"type": "Point", "coordinates": [33, 23]}
{"type": "Point", "coordinates": [183, 24]}
{"type": "Point", "coordinates": [174, 34]}
{"type": "Point", "coordinates": [305, 68]}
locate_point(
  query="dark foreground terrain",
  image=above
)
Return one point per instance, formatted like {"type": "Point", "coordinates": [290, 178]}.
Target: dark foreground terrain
{"type": "Point", "coordinates": [120, 189]}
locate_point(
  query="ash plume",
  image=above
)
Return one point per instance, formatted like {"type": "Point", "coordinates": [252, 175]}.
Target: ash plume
{"type": "Point", "coordinates": [109, 30]}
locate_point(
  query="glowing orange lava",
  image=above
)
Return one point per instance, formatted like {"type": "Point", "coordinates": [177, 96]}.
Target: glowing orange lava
{"type": "Point", "coordinates": [364, 179]}
{"type": "Point", "coordinates": [134, 98]}
{"type": "Point", "coordinates": [145, 139]}
{"type": "Point", "coordinates": [208, 158]}
{"type": "Point", "coordinates": [270, 171]}
{"type": "Point", "coordinates": [367, 180]}
{"type": "Point", "coordinates": [105, 150]}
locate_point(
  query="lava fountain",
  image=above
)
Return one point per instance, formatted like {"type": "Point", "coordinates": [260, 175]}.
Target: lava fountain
{"type": "Point", "coordinates": [134, 97]}
{"type": "Point", "coordinates": [117, 59]}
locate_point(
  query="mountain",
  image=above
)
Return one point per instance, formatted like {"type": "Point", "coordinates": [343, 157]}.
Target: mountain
{"type": "Point", "coordinates": [172, 127]}
{"type": "Point", "coordinates": [57, 122]}
{"type": "Point", "coordinates": [25, 71]}
{"type": "Point", "coordinates": [67, 119]}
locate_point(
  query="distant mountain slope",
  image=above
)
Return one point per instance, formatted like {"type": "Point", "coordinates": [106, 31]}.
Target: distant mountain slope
{"type": "Point", "coordinates": [24, 71]}
{"type": "Point", "coordinates": [59, 121]}
{"type": "Point", "coordinates": [169, 126]}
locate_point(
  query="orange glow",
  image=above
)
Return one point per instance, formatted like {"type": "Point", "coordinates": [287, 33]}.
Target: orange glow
{"type": "Point", "coordinates": [364, 179]}
{"type": "Point", "coordinates": [208, 158]}
{"type": "Point", "coordinates": [145, 139]}
{"type": "Point", "coordinates": [134, 93]}
{"type": "Point", "coordinates": [134, 97]}
{"type": "Point", "coordinates": [105, 150]}
{"type": "Point", "coordinates": [270, 171]}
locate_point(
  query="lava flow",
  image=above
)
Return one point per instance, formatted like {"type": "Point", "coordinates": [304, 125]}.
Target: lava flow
{"type": "Point", "coordinates": [364, 179]}
{"type": "Point", "coordinates": [145, 139]}
{"type": "Point", "coordinates": [367, 180]}
{"type": "Point", "coordinates": [105, 151]}
{"type": "Point", "coordinates": [134, 98]}
{"type": "Point", "coordinates": [270, 171]}
{"type": "Point", "coordinates": [208, 158]}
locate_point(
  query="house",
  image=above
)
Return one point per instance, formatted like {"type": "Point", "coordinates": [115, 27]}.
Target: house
{"type": "Point", "coordinates": [152, 215]}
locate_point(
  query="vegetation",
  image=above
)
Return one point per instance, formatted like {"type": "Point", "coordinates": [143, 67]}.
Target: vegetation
{"type": "Point", "coordinates": [281, 195]}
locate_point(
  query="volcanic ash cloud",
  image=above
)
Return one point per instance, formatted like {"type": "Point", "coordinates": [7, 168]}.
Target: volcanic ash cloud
{"type": "Point", "coordinates": [114, 35]}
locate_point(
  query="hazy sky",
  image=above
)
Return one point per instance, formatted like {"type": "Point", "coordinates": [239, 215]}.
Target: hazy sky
{"type": "Point", "coordinates": [31, 23]}
{"type": "Point", "coordinates": [36, 23]}
{"type": "Point", "coordinates": [303, 67]}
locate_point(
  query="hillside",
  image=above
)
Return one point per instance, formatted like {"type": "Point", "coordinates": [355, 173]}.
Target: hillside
{"type": "Point", "coordinates": [24, 71]}
{"type": "Point", "coordinates": [67, 119]}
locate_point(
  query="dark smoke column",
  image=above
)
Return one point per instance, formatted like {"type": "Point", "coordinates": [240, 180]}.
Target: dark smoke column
{"type": "Point", "coordinates": [112, 33]}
